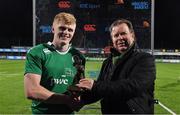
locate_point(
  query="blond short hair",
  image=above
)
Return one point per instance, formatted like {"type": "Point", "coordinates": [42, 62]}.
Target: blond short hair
{"type": "Point", "coordinates": [67, 18]}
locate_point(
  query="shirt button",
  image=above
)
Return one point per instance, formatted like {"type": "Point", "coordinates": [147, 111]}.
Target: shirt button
{"type": "Point", "coordinates": [133, 110]}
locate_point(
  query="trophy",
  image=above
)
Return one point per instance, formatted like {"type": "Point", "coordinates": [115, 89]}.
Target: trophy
{"type": "Point", "coordinates": [79, 75]}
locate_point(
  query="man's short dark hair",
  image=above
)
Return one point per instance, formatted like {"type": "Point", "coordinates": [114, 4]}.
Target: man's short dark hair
{"type": "Point", "coordinates": [121, 21]}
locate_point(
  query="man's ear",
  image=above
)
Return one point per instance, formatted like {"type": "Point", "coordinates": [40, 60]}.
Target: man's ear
{"type": "Point", "coordinates": [52, 29]}
{"type": "Point", "coordinates": [133, 35]}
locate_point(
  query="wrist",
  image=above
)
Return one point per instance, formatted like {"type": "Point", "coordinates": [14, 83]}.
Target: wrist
{"type": "Point", "coordinates": [58, 99]}
{"type": "Point", "coordinates": [94, 85]}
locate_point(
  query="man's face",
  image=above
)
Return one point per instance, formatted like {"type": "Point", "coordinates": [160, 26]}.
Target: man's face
{"type": "Point", "coordinates": [122, 38]}
{"type": "Point", "coordinates": [63, 33]}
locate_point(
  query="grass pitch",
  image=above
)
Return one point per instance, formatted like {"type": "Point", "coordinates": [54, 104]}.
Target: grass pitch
{"type": "Point", "coordinates": [13, 101]}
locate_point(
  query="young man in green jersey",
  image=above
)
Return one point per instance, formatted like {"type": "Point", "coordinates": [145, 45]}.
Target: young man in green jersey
{"type": "Point", "coordinates": [49, 70]}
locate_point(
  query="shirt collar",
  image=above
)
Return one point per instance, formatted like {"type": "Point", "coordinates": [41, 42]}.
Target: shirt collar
{"type": "Point", "coordinates": [51, 46]}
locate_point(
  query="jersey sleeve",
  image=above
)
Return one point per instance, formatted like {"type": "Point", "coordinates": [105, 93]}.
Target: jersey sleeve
{"type": "Point", "coordinates": [33, 62]}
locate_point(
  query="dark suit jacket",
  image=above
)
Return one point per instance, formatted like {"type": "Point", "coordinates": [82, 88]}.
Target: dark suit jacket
{"type": "Point", "coordinates": [126, 86]}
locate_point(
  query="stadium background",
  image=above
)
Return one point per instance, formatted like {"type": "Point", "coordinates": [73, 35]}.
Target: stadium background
{"type": "Point", "coordinates": [16, 23]}
{"type": "Point", "coordinates": [94, 18]}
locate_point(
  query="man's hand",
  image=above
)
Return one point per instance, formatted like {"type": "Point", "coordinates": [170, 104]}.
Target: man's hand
{"type": "Point", "coordinates": [75, 103]}
{"type": "Point", "coordinates": [86, 83]}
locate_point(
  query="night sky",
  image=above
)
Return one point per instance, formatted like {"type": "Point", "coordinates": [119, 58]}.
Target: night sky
{"type": "Point", "coordinates": [167, 24]}
{"type": "Point", "coordinates": [16, 23]}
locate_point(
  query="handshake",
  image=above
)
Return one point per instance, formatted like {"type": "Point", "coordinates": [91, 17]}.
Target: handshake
{"type": "Point", "coordinates": [75, 101]}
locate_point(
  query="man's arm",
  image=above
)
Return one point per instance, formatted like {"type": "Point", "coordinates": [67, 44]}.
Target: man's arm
{"type": "Point", "coordinates": [140, 78]}
{"type": "Point", "coordinates": [88, 96]}
{"type": "Point", "coordinates": [34, 91]}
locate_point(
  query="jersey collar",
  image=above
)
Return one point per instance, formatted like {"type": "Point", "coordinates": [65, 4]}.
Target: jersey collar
{"type": "Point", "coordinates": [62, 53]}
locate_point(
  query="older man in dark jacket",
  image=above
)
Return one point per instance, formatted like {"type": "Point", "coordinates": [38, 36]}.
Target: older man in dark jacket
{"type": "Point", "coordinates": [126, 81]}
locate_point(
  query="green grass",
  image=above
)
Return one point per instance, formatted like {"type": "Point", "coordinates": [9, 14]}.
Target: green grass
{"type": "Point", "coordinates": [167, 88]}
{"type": "Point", "coordinates": [12, 99]}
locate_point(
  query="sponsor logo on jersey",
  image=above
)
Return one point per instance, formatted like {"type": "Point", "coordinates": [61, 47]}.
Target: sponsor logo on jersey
{"type": "Point", "coordinates": [63, 75]}
{"type": "Point", "coordinates": [59, 81]}
{"type": "Point", "coordinates": [69, 72]}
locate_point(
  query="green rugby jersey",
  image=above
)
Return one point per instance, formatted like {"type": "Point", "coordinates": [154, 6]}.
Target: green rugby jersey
{"type": "Point", "coordinates": [56, 70]}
